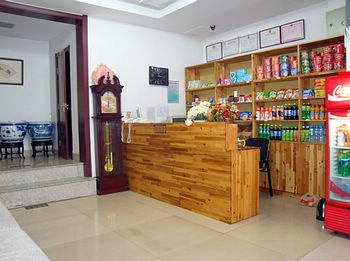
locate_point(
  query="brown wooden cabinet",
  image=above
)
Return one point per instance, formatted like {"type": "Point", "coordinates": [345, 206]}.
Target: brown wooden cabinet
{"type": "Point", "coordinates": [288, 158]}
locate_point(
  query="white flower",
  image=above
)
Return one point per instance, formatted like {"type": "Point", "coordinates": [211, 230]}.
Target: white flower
{"type": "Point", "coordinates": [200, 111]}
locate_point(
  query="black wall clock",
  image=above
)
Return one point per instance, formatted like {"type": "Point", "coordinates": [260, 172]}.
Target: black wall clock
{"type": "Point", "coordinates": [158, 76]}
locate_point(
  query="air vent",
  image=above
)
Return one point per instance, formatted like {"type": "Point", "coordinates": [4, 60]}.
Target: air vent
{"type": "Point", "coordinates": [6, 25]}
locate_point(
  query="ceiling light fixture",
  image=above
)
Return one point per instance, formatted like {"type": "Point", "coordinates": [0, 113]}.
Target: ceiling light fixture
{"type": "Point", "coordinates": [6, 25]}
{"type": "Point", "coordinates": [138, 7]}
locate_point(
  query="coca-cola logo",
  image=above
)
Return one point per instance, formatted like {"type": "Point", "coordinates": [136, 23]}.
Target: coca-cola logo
{"type": "Point", "coordinates": [342, 91]}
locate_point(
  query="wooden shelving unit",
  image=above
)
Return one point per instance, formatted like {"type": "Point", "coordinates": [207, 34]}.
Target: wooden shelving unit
{"type": "Point", "coordinates": [294, 169]}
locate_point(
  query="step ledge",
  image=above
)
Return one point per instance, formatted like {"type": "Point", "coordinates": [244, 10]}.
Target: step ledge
{"type": "Point", "coordinates": [42, 184]}
{"type": "Point", "coordinates": [31, 168]}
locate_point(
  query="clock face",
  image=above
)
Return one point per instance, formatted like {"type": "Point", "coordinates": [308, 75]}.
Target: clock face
{"type": "Point", "coordinates": [108, 102]}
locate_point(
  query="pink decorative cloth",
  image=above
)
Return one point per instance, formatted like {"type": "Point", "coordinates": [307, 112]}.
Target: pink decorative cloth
{"type": "Point", "coordinates": [100, 70]}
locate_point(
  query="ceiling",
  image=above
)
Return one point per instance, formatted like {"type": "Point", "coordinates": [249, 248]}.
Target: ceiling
{"type": "Point", "coordinates": [189, 17]}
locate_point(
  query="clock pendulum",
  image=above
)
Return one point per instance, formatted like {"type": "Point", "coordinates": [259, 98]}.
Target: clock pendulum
{"type": "Point", "coordinates": [109, 154]}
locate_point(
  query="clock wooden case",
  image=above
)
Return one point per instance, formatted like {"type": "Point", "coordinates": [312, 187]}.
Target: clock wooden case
{"type": "Point", "coordinates": [107, 96]}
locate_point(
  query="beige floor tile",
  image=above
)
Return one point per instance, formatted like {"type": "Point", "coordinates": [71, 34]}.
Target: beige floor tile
{"type": "Point", "coordinates": [167, 234]}
{"type": "Point", "coordinates": [67, 229]}
{"type": "Point", "coordinates": [51, 212]}
{"type": "Point", "coordinates": [124, 217]}
{"type": "Point", "coordinates": [294, 239]}
{"type": "Point", "coordinates": [104, 247]}
{"type": "Point", "coordinates": [337, 248]}
{"type": "Point", "coordinates": [226, 248]}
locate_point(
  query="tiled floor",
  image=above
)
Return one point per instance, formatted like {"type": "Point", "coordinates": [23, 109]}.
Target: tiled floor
{"type": "Point", "coordinates": [128, 226]}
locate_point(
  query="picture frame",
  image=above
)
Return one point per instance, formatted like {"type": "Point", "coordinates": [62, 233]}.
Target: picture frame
{"type": "Point", "coordinates": [230, 47]}
{"type": "Point", "coordinates": [214, 51]}
{"type": "Point", "coordinates": [270, 37]}
{"type": "Point", "coordinates": [248, 43]}
{"type": "Point", "coordinates": [158, 76]}
{"type": "Point", "coordinates": [293, 31]}
{"type": "Point", "coordinates": [11, 71]}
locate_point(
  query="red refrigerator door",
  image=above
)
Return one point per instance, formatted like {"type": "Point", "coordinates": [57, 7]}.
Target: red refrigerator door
{"type": "Point", "coordinates": [338, 91]}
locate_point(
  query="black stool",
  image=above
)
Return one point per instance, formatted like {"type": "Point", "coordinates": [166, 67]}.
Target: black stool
{"type": "Point", "coordinates": [45, 145]}
{"type": "Point", "coordinates": [12, 145]}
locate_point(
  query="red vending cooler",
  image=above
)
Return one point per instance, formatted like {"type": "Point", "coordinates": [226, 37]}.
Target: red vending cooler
{"type": "Point", "coordinates": [337, 207]}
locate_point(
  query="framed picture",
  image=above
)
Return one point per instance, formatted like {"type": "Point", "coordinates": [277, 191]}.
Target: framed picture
{"type": "Point", "coordinates": [293, 31]}
{"type": "Point", "coordinates": [248, 43]}
{"type": "Point", "coordinates": [158, 76]}
{"type": "Point", "coordinates": [214, 52]}
{"type": "Point", "coordinates": [270, 37]}
{"type": "Point", "coordinates": [230, 47]}
{"type": "Point", "coordinates": [11, 71]}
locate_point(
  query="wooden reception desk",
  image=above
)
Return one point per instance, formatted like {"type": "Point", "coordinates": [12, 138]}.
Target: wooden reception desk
{"type": "Point", "coordinates": [198, 168]}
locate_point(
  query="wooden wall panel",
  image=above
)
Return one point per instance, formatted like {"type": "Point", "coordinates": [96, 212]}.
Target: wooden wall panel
{"type": "Point", "coordinates": [297, 168]}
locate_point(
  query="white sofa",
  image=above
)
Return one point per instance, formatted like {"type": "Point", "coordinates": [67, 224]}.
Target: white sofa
{"type": "Point", "coordinates": [15, 243]}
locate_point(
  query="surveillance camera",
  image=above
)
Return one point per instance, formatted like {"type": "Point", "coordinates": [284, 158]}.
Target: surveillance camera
{"type": "Point", "coordinates": [212, 27]}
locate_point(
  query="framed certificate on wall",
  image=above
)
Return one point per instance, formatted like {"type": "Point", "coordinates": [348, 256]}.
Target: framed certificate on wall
{"type": "Point", "coordinates": [214, 52]}
{"type": "Point", "coordinates": [293, 31]}
{"type": "Point", "coordinates": [248, 43]}
{"type": "Point", "coordinates": [270, 37]}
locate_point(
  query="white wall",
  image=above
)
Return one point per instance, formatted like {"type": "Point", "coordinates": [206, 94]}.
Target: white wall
{"type": "Point", "coordinates": [30, 102]}
{"type": "Point", "coordinates": [129, 51]}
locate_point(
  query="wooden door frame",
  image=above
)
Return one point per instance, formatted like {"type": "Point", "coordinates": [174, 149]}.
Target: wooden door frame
{"type": "Point", "coordinates": [80, 23]}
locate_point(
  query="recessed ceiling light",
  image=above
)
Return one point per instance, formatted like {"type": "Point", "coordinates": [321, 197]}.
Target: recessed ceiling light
{"type": "Point", "coordinates": [6, 25]}
{"type": "Point", "coordinates": [150, 8]}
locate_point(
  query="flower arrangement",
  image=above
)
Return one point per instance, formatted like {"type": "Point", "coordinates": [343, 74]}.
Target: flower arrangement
{"type": "Point", "coordinates": [224, 112]}
{"type": "Point", "coordinates": [200, 111]}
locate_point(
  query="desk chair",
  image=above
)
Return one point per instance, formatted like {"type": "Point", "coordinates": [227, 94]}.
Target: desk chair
{"type": "Point", "coordinates": [264, 155]}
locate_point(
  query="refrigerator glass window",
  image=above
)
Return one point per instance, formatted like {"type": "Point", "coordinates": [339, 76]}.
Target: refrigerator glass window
{"type": "Point", "coordinates": [339, 156]}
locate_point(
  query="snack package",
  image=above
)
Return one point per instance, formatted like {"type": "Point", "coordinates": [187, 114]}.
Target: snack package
{"type": "Point", "coordinates": [288, 94]}
{"type": "Point", "coordinates": [259, 96]}
{"type": "Point", "coordinates": [295, 94]}
{"type": "Point", "coordinates": [266, 95]}
{"type": "Point", "coordinates": [280, 94]}
{"type": "Point", "coordinates": [308, 93]}
{"type": "Point", "coordinates": [272, 95]}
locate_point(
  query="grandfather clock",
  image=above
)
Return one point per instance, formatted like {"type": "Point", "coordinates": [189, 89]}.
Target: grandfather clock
{"type": "Point", "coordinates": [110, 177]}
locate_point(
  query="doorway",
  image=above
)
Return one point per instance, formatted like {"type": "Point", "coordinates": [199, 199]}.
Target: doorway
{"type": "Point", "coordinates": [80, 23]}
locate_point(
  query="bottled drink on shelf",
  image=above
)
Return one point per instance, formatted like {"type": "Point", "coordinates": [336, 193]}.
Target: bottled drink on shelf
{"type": "Point", "coordinates": [303, 111]}
{"type": "Point", "coordinates": [294, 112]}
{"type": "Point", "coordinates": [262, 113]}
{"type": "Point", "coordinates": [322, 112]}
{"type": "Point", "coordinates": [312, 134]}
{"type": "Point", "coordinates": [281, 112]}
{"type": "Point", "coordinates": [323, 134]}
{"type": "Point", "coordinates": [312, 112]}
{"type": "Point", "coordinates": [284, 133]}
{"type": "Point", "coordinates": [260, 131]}
{"type": "Point", "coordinates": [302, 134]}
{"type": "Point", "coordinates": [296, 134]}
{"type": "Point", "coordinates": [274, 113]}
{"type": "Point", "coordinates": [257, 114]}
{"type": "Point", "coordinates": [286, 112]}
{"type": "Point", "coordinates": [317, 111]}
{"type": "Point", "coordinates": [307, 134]}
{"type": "Point", "coordinates": [272, 132]}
